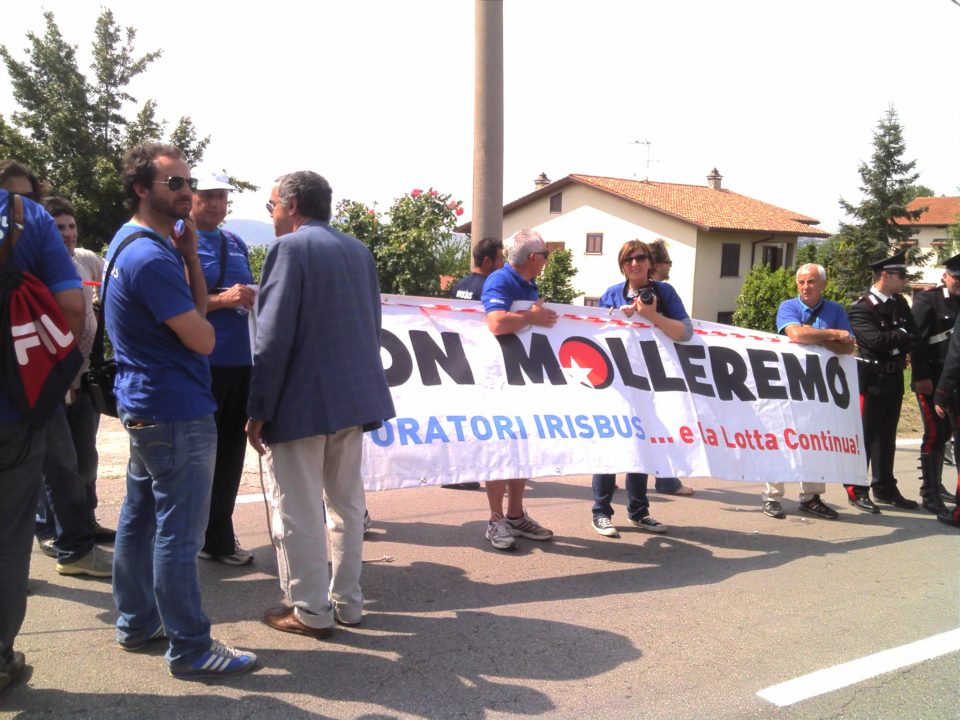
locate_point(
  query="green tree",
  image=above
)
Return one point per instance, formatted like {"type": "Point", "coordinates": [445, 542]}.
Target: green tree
{"type": "Point", "coordinates": [764, 289]}
{"type": "Point", "coordinates": [413, 243]}
{"type": "Point", "coordinates": [73, 131]}
{"type": "Point", "coordinates": [555, 282]}
{"type": "Point", "coordinates": [257, 255]}
{"type": "Point", "coordinates": [887, 184]}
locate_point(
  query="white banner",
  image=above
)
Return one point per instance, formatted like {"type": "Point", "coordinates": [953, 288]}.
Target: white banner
{"type": "Point", "coordinates": [602, 393]}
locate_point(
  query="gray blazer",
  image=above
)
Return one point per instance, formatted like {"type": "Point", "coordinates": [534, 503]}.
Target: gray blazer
{"type": "Point", "coordinates": [317, 366]}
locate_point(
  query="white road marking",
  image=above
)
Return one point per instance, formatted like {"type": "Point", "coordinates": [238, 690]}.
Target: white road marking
{"type": "Point", "coordinates": [848, 673]}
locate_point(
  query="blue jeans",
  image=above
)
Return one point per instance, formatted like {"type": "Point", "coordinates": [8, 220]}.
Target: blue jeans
{"type": "Point", "coordinates": [667, 484]}
{"type": "Point", "coordinates": [604, 485]}
{"type": "Point", "coordinates": [19, 488]}
{"type": "Point", "coordinates": [66, 491]}
{"type": "Point", "coordinates": [160, 531]}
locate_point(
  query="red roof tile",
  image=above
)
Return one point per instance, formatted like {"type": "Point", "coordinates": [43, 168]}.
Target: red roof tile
{"type": "Point", "coordinates": [940, 211]}
{"type": "Point", "coordinates": [707, 208]}
{"type": "Point", "coordinates": [700, 205]}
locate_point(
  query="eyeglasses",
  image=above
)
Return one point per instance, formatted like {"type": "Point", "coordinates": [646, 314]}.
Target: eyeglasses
{"type": "Point", "coordinates": [175, 182]}
{"type": "Point", "coordinates": [666, 262]}
{"type": "Point", "coordinates": [634, 259]}
{"type": "Point", "coordinates": [271, 205]}
{"type": "Point", "coordinates": [545, 253]}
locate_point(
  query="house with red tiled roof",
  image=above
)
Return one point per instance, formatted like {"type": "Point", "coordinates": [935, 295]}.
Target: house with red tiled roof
{"type": "Point", "coordinates": [714, 235]}
{"type": "Point", "coordinates": [931, 234]}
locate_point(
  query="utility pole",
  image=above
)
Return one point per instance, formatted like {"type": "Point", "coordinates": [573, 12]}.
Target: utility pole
{"type": "Point", "coordinates": [488, 122]}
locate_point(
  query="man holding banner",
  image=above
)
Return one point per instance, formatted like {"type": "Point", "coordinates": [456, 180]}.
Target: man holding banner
{"type": "Point", "coordinates": [514, 282]}
{"type": "Point", "coordinates": [810, 319]}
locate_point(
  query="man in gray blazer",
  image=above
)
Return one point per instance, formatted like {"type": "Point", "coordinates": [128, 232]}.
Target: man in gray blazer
{"type": "Point", "coordinates": [317, 384]}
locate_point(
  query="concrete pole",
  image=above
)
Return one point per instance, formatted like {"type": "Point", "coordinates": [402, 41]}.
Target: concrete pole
{"type": "Point", "coordinates": [488, 122]}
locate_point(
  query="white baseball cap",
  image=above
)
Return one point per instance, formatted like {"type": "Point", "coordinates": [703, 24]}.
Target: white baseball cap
{"type": "Point", "coordinates": [211, 180]}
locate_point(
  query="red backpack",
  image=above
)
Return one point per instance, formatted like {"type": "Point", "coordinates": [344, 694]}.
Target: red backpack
{"type": "Point", "coordinates": [39, 357]}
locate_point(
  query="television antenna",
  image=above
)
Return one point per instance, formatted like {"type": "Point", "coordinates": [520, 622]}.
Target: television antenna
{"type": "Point", "coordinates": [647, 143]}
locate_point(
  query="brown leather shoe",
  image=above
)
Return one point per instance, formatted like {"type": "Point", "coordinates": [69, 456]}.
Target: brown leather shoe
{"type": "Point", "coordinates": [284, 620]}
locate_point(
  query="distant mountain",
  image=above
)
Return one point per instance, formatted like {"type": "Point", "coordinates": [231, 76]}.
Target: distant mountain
{"type": "Point", "coordinates": [252, 232]}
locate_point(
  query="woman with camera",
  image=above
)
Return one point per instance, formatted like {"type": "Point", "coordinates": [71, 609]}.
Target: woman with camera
{"type": "Point", "coordinates": [658, 304]}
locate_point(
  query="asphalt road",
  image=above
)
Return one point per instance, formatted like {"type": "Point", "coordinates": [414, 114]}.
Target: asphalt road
{"type": "Point", "coordinates": [687, 625]}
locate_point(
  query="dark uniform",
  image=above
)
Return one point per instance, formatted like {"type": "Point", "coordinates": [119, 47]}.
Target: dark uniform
{"type": "Point", "coordinates": [945, 397]}
{"type": "Point", "coordinates": [935, 313]}
{"type": "Point", "coordinates": [885, 333]}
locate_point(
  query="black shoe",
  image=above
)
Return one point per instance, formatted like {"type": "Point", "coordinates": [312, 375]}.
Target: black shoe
{"type": "Point", "coordinates": [773, 509]}
{"type": "Point", "coordinates": [462, 486]}
{"type": "Point", "coordinates": [865, 504]}
{"type": "Point", "coordinates": [933, 504]}
{"type": "Point", "coordinates": [895, 499]}
{"type": "Point", "coordinates": [102, 534]}
{"type": "Point", "coordinates": [815, 506]}
{"type": "Point", "coordinates": [946, 496]}
{"type": "Point", "coordinates": [950, 518]}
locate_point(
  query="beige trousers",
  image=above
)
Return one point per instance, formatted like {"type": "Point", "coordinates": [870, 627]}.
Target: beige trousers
{"type": "Point", "coordinates": [774, 491]}
{"type": "Point", "coordinates": [317, 486]}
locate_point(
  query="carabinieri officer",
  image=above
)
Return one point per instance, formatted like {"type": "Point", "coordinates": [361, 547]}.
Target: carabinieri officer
{"type": "Point", "coordinates": [885, 333]}
{"type": "Point", "coordinates": [935, 312]}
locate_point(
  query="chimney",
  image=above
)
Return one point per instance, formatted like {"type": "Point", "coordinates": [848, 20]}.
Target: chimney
{"type": "Point", "coordinates": [542, 181]}
{"type": "Point", "coordinates": [713, 180]}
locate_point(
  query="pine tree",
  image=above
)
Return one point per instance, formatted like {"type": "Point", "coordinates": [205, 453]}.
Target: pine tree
{"type": "Point", "coordinates": [72, 131]}
{"type": "Point", "coordinates": [888, 185]}
{"type": "Point", "coordinates": [555, 282]}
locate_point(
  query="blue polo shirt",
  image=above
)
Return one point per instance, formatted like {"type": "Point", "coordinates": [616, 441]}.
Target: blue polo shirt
{"type": "Point", "coordinates": [39, 251]}
{"type": "Point", "coordinates": [231, 327]}
{"type": "Point", "coordinates": [504, 286]}
{"type": "Point", "coordinates": [833, 316]}
{"type": "Point", "coordinates": [670, 305]}
{"type": "Point", "coordinates": [158, 377]}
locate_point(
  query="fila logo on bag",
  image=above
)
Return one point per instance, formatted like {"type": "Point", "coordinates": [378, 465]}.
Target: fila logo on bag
{"type": "Point", "coordinates": [31, 335]}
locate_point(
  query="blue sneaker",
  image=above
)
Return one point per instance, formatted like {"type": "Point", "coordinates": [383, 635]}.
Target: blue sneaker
{"type": "Point", "coordinates": [218, 661]}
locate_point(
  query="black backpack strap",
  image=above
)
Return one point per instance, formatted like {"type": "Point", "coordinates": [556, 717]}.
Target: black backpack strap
{"type": "Point", "coordinates": [96, 352]}
{"type": "Point", "coordinates": [14, 227]}
{"type": "Point", "coordinates": [814, 315]}
{"type": "Point", "coordinates": [218, 285]}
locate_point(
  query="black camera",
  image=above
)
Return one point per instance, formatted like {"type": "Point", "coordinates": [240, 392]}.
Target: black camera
{"type": "Point", "coordinates": [646, 296]}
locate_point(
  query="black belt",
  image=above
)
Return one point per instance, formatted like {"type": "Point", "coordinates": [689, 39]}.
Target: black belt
{"type": "Point", "coordinates": [886, 367]}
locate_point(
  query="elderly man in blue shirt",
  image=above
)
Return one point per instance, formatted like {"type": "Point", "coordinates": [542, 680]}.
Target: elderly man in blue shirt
{"type": "Point", "coordinates": [515, 281]}
{"type": "Point", "coordinates": [810, 319]}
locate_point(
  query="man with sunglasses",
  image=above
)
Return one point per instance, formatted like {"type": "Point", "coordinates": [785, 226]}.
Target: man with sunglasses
{"type": "Point", "coordinates": [515, 281]}
{"type": "Point", "coordinates": [157, 321]}
{"type": "Point", "coordinates": [885, 333]}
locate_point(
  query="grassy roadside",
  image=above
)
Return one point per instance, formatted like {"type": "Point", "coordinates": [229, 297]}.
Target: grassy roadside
{"type": "Point", "coordinates": [910, 425]}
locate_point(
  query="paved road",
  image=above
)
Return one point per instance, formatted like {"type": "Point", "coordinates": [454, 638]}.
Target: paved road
{"type": "Point", "coordinates": [688, 625]}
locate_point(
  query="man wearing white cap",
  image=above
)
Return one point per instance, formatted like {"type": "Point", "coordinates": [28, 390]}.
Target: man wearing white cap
{"type": "Point", "coordinates": [226, 269]}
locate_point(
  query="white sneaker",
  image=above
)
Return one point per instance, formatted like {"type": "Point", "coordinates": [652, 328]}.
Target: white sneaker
{"type": "Point", "coordinates": [499, 535]}
{"type": "Point", "coordinates": [527, 527]}
{"type": "Point", "coordinates": [603, 525]}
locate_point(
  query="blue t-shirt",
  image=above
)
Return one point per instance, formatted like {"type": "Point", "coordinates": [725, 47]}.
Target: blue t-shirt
{"type": "Point", "coordinates": [232, 328]}
{"type": "Point", "coordinates": [833, 316]}
{"type": "Point", "coordinates": [504, 286]}
{"type": "Point", "coordinates": [670, 305]}
{"type": "Point", "coordinates": [158, 377]}
{"type": "Point", "coordinates": [39, 251]}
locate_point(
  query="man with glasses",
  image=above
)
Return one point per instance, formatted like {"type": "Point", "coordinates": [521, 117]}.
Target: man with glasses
{"type": "Point", "coordinates": [515, 281]}
{"type": "Point", "coordinates": [810, 319]}
{"type": "Point", "coordinates": [161, 340]}
{"type": "Point", "coordinates": [317, 385]}
{"type": "Point", "coordinates": [885, 332]}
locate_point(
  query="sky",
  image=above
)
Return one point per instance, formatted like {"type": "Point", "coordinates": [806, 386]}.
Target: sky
{"type": "Point", "coordinates": [377, 95]}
